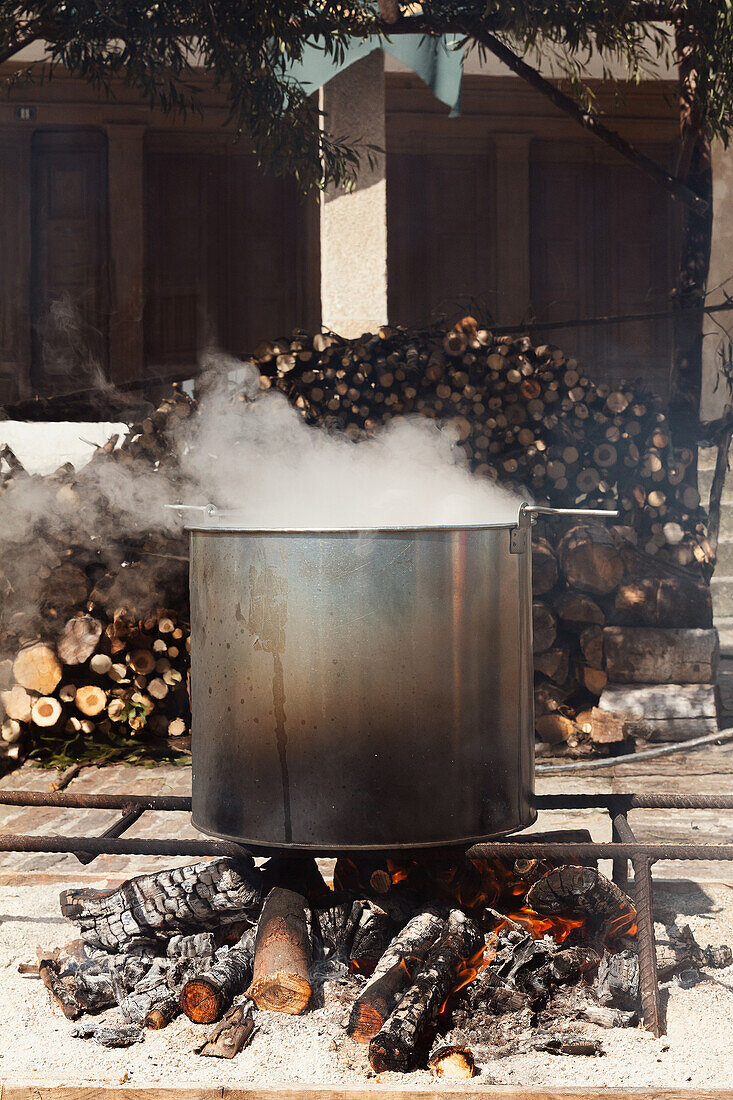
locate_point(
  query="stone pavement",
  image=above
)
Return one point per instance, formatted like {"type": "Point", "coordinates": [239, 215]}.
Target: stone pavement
{"type": "Point", "coordinates": [708, 771]}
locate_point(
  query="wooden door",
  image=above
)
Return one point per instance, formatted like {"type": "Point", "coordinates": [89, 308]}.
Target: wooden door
{"type": "Point", "coordinates": [440, 244]}
{"type": "Point", "coordinates": [229, 260]}
{"type": "Point", "coordinates": [69, 251]}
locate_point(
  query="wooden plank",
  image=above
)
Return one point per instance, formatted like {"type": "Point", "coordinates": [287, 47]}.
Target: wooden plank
{"type": "Point", "coordinates": [642, 655]}
{"type": "Point", "coordinates": [8, 1091]}
{"type": "Point", "coordinates": [674, 712]}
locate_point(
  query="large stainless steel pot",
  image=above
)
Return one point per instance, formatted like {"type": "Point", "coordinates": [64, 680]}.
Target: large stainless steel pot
{"type": "Point", "coordinates": [363, 689]}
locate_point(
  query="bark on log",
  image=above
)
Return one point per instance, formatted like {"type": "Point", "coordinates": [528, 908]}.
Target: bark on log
{"type": "Point", "coordinates": [79, 639]}
{"type": "Point", "coordinates": [282, 954]}
{"type": "Point", "coordinates": [589, 559]}
{"type": "Point", "coordinates": [37, 669]}
{"type": "Point", "coordinates": [393, 973]}
{"type": "Point", "coordinates": [45, 711]}
{"type": "Point", "coordinates": [62, 990]}
{"type": "Point", "coordinates": [666, 602]}
{"type": "Point", "coordinates": [206, 997]}
{"type": "Point", "coordinates": [163, 1012]}
{"type": "Point", "coordinates": [406, 1034]}
{"type": "Point", "coordinates": [665, 712]}
{"type": "Point", "coordinates": [553, 729]}
{"type": "Point", "coordinates": [182, 899]}
{"type": "Point", "coordinates": [232, 1034]}
{"type": "Point", "coordinates": [646, 656]}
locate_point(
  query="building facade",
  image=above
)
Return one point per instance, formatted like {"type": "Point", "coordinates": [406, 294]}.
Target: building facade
{"type": "Point", "coordinates": [133, 241]}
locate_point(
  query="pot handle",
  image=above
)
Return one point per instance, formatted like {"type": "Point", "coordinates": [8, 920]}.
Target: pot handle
{"type": "Point", "coordinates": [528, 511]}
{"type": "Point", "coordinates": [519, 541]}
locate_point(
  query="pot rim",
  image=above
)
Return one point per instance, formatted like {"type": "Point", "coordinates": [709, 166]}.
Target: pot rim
{"type": "Point", "coordinates": [228, 529]}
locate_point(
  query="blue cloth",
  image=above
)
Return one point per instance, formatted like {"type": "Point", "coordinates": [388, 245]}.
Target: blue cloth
{"type": "Point", "coordinates": [436, 61]}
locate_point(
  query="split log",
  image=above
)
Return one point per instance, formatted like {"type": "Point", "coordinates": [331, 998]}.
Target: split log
{"type": "Point", "coordinates": [37, 668]}
{"type": "Point", "coordinates": [395, 970]}
{"type": "Point", "coordinates": [544, 627]}
{"type": "Point", "coordinates": [282, 954]}
{"type": "Point", "coordinates": [578, 608]}
{"type": "Point", "coordinates": [668, 602]}
{"type": "Point", "coordinates": [572, 891]}
{"type": "Point", "coordinates": [79, 639]}
{"type": "Point", "coordinates": [183, 899]}
{"type": "Point", "coordinates": [206, 997]}
{"type": "Point", "coordinates": [232, 1033]}
{"type": "Point", "coordinates": [555, 728]}
{"type": "Point", "coordinates": [553, 663]}
{"type": "Point", "coordinates": [609, 729]}
{"type": "Point", "coordinates": [544, 567]}
{"type": "Point", "coordinates": [647, 656]}
{"type": "Point", "coordinates": [549, 697]}
{"type": "Point", "coordinates": [452, 1062]}
{"type": "Point", "coordinates": [663, 712]}
{"type": "Point", "coordinates": [594, 679]}
{"type": "Point", "coordinates": [17, 703]}
{"type": "Point", "coordinates": [591, 646]}
{"type": "Point", "coordinates": [406, 1034]}
{"type": "Point", "coordinates": [590, 560]}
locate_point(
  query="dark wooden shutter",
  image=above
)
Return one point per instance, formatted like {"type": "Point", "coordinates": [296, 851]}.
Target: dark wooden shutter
{"type": "Point", "coordinates": [604, 240]}
{"type": "Point", "coordinates": [69, 250]}
{"type": "Point", "coordinates": [440, 251]}
{"type": "Point", "coordinates": [229, 257]}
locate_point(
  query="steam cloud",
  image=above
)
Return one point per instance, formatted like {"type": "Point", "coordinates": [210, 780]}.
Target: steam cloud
{"type": "Point", "coordinates": [263, 460]}
{"type": "Point", "coordinates": [257, 456]}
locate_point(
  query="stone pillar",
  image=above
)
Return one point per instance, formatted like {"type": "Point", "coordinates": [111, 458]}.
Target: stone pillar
{"type": "Point", "coordinates": [354, 224]}
{"type": "Point", "coordinates": [126, 249]}
{"type": "Point", "coordinates": [713, 400]}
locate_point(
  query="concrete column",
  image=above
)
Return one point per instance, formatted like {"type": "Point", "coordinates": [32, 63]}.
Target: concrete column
{"type": "Point", "coordinates": [715, 393]}
{"type": "Point", "coordinates": [354, 224]}
{"type": "Point", "coordinates": [512, 227]}
{"type": "Point", "coordinates": [126, 249]}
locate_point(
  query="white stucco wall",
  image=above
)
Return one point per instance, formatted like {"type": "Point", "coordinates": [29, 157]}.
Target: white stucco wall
{"type": "Point", "coordinates": [43, 447]}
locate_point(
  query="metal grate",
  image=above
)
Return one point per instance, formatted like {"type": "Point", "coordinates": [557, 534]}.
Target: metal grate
{"type": "Point", "coordinates": [623, 847]}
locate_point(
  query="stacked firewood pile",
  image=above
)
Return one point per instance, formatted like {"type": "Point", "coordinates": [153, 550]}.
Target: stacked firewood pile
{"type": "Point", "coordinates": [525, 416]}
{"type": "Point", "coordinates": [422, 968]}
{"type": "Point", "coordinates": [528, 417]}
{"type": "Point", "coordinates": [94, 631]}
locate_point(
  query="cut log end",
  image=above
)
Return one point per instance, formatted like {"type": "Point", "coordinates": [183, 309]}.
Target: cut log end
{"type": "Point", "coordinates": [201, 1002]}
{"type": "Point", "coordinates": [282, 992]}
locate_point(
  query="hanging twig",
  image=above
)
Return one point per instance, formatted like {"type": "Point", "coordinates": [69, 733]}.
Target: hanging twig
{"type": "Point", "coordinates": [588, 121]}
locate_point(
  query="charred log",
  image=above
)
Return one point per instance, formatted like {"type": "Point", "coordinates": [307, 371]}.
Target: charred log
{"type": "Point", "coordinates": [231, 1034]}
{"type": "Point", "coordinates": [407, 1033]}
{"type": "Point", "coordinates": [206, 997]}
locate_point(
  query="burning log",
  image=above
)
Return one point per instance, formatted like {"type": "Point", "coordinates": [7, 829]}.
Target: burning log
{"type": "Point", "coordinates": [182, 899]}
{"type": "Point", "coordinates": [452, 1062]}
{"type": "Point", "coordinates": [232, 1034]}
{"type": "Point", "coordinates": [206, 997]}
{"type": "Point", "coordinates": [396, 969]}
{"type": "Point", "coordinates": [282, 954]}
{"type": "Point", "coordinates": [581, 891]}
{"type": "Point", "coordinates": [400, 1042]}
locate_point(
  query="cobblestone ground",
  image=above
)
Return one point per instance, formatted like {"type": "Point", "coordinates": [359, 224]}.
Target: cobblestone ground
{"type": "Point", "coordinates": [708, 771]}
